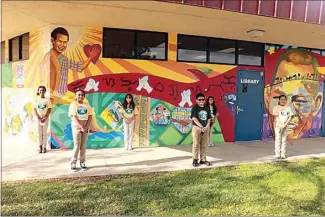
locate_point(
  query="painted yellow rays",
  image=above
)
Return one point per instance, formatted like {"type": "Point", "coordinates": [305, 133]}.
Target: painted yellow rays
{"type": "Point", "coordinates": [31, 67]}
{"type": "Point", "coordinates": [38, 66]}
{"type": "Point", "coordinates": [321, 70]}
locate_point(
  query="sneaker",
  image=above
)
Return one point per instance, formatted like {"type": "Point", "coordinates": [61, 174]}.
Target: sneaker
{"type": "Point", "coordinates": [40, 150]}
{"type": "Point", "coordinates": [44, 150]}
{"type": "Point", "coordinates": [283, 157]}
{"type": "Point", "coordinates": [195, 163]}
{"type": "Point", "coordinates": [205, 162]}
{"type": "Point", "coordinates": [73, 166]}
{"type": "Point", "coordinates": [83, 166]}
{"type": "Point", "coordinates": [210, 145]}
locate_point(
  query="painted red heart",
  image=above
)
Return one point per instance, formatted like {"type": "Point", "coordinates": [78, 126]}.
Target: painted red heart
{"type": "Point", "coordinates": [89, 48]}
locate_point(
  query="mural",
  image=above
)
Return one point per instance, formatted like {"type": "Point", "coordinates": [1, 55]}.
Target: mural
{"type": "Point", "coordinates": [79, 65]}
{"type": "Point", "coordinates": [160, 116]}
{"type": "Point", "coordinates": [17, 112]}
{"type": "Point", "coordinates": [295, 73]}
{"type": "Point", "coordinates": [69, 58]}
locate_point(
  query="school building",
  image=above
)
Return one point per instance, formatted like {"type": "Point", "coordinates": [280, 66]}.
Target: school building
{"type": "Point", "coordinates": [244, 53]}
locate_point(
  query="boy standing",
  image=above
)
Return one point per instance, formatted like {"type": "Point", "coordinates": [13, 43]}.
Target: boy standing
{"type": "Point", "coordinates": [201, 117]}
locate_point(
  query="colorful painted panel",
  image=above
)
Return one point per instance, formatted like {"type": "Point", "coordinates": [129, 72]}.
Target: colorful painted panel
{"type": "Point", "coordinates": [18, 122]}
{"type": "Point", "coordinates": [295, 73]}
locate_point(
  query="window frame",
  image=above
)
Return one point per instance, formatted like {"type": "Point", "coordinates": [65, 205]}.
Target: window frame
{"type": "Point", "coordinates": [194, 36]}
{"type": "Point", "coordinates": [135, 43]}
{"type": "Point", "coordinates": [20, 48]}
{"type": "Point", "coordinates": [262, 51]}
{"type": "Point", "coordinates": [10, 46]}
{"type": "Point", "coordinates": [223, 39]}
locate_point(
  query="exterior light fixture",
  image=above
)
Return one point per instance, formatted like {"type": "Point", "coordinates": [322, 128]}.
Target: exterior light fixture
{"type": "Point", "coordinates": [255, 33]}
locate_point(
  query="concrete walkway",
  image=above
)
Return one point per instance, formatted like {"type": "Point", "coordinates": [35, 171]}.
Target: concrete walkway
{"type": "Point", "coordinates": [24, 163]}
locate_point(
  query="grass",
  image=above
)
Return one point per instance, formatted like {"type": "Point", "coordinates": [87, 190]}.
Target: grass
{"type": "Point", "coordinates": [283, 188]}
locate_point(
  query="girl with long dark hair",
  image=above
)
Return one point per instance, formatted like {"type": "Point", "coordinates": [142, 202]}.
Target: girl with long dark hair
{"type": "Point", "coordinates": [210, 103]}
{"type": "Point", "coordinates": [129, 113]}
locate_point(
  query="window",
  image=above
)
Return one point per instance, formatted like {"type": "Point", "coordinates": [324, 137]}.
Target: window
{"type": "Point", "coordinates": [218, 50]}
{"type": "Point", "coordinates": [3, 52]}
{"type": "Point", "coordinates": [250, 53]}
{"type": "Point", "coordinates": [19, 48]}
{"type": "Point", "coordinates": [192, 48]}
{"type": "Point", "coordinates": [118, 43]}
{"type": "Point", "coordinates": [133, 44]}
{"type": "Point", "coordinates": [222, 51]}
{"type": "Point", "coordinates": [24, 46]}
{"type": "Point", "coordinates": [14, 49]}
{"type": "Point", "coordinates": [151, 45]}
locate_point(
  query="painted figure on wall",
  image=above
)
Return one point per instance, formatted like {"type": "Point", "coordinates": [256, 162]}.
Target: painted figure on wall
{"type": "Point", "coordinates": [60, 65]}
{"type": "Point", "coordinates": [296, 76]}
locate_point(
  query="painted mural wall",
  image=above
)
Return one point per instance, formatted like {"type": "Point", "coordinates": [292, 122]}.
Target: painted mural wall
{"type": "Point", "coordinates": [19, 80]}
{"type": "Point", "coordinates": [298, 73]}
{"type": "Point", "coordinates": [164, 90]}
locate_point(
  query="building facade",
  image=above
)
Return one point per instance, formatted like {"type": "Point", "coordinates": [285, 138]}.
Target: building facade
{"type": "Point", "coordinates": [164, 71]}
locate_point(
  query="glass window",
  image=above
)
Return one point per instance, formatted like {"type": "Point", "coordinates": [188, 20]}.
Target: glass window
{"type": "Point", "coordinates": [3, 52]}
{"type": "Point", "coordinates": [118, 43]}
{"type": "Point", "coordinates": [191, 48]}
{"type": "Point", "coordinates": [222, 51]}
{"type": "Point", "coordinates": [25, 46]}
{"type": "Point", "coordinates": [250, 53]}
{"type": "Point", "coordinates": [151, 45]}
{"type": "Point", "coordinates": [14, 49]}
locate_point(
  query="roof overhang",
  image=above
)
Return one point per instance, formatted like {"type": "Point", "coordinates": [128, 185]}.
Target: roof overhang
{"type": "Point", "coordinates": [19, 17]}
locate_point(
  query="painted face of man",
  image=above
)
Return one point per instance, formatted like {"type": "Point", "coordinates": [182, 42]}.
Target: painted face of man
{"type": "Point", "coordinates": [303, 95]}
{"type": "Point", "coordinates": [60, 43]}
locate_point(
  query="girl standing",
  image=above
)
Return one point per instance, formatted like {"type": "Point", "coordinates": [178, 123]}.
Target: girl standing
{"type": "Point", "coordinates": [81, 115]}
{"type": "Point", "coordinates": [42, 110]}
{"type": "Point", "coordinates": [129, 113]}
{"type": "Point", "coordinates": [282, 114]}
{"type": "Point", "coordinates": [214, 113]}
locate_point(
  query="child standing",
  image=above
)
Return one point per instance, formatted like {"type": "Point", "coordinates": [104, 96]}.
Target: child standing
{"type": "Point", "coordinates": [42, 109]}
{"type": "Point", "coordinates": [282, 114]}
{"type": "Point", "coordinates": [201, 117]}
{"type": "Point", "coordinates": [129, 113]}
{"type": "Point", "coordinates": [214, 113]}
{"type": "Point", "coordinates": [81, 115]}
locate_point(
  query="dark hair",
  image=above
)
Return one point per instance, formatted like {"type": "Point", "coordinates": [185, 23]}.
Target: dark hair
{"type": "Point", "coordinates": [282, 95]}
{"type": "Point", "coordinates": [80, 91]}
{"type": "Point", "coordinates": [59, 30]}
{"type": "Point", "coordinates": [43, 87]}
{"type": "Point", "coordinates": [213, 104]}
{"type": "Point", "coordinates": [125, 103]}
{"type": "Point", "coordinates": [208, 103]}
{"type": "Point", "coordinates": [200, 95]}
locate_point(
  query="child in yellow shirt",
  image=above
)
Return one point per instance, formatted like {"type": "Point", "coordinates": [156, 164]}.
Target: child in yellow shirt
{"type": "Point", "coordinates": [129, 113]}
{"type": "Point", "coordinates": [81, 116]}
{"type": "Point", "coordinates": [42, 110]}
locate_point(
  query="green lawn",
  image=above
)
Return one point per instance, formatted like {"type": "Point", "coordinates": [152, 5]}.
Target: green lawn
{"type": "Point", "coordinates": [284, 188]}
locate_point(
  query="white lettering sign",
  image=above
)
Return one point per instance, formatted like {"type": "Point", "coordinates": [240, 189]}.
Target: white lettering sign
{"type": "Point", "coordinates": [249, 81]}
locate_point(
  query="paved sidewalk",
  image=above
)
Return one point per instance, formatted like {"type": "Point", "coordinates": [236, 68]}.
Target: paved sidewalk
{"type": "Point", "coordinates": [24, 163]}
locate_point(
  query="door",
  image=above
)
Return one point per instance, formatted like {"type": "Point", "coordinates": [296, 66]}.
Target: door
{"type": "Point", "coordinates": [249, 108]}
